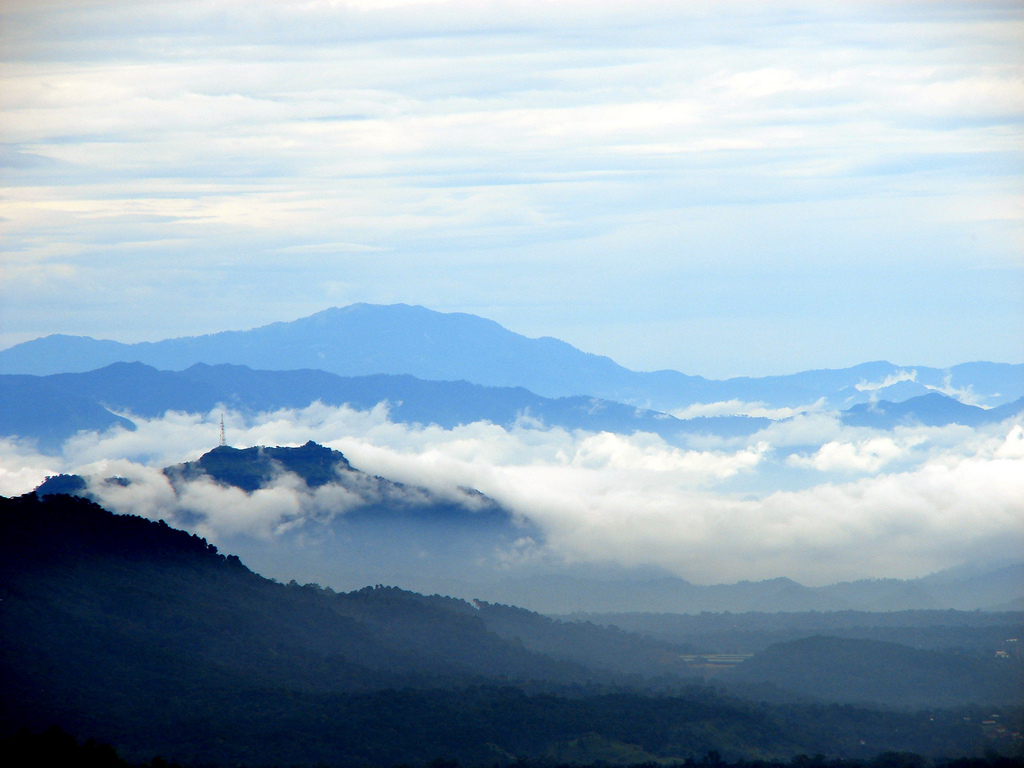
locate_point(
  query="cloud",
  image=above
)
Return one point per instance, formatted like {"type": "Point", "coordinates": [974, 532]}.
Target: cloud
{"type": "Point", "coordinates": [813, 428]}
{"type": "Point", "coordinates": [926, 498]}
{"type": "Point", "coordinates": [865, 456]}
{"type": "Point", "coordinates": [888, 381]}
{"type": "Point", "coordinates": [469, 155]}
{"type": "Point", "coordinates": [741, 408]}
{"type": "Point", "coordinates": [22, 468]}
{"type": "Point", "coordinates": [965, 395]}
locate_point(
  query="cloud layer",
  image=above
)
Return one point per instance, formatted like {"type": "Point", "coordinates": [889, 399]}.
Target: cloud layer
{"type": "Point", "coordinates": [808, 498]}
{"type": "Point", "coordinates": [800, 178]}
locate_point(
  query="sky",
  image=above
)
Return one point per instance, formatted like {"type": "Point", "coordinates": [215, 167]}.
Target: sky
{"type": "Point", "coordinates": [728, 188]}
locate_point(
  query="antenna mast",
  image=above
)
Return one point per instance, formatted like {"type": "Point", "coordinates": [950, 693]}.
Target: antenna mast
{"type": "Point", "coordinates": [223, 441]}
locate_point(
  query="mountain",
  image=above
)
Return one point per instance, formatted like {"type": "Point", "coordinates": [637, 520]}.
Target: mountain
{"type": "Point", "coordinates": [367, 497]}
{"type": "Point", "coordinates": [34, 408]}
{"type": "Point", "coordinates": [145, 637]}
{"type": "Point", "coordinates": [568, 592]}
{"type": "Point", "coordinates": [29, 405]}
{"type": "Point", "coordinates": [931, 410]}
{"type": "Point", "coordinates": [306, 513]}
{"type": "Point", "coordinates": [50, 409]}
{"type": "Point", "coordinates": [364, 339]}
{"type": "Point", "coordinates": [970, 634]}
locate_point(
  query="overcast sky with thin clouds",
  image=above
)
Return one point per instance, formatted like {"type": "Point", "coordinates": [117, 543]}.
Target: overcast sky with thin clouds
{"type": "Point", "coordinates": [722, 188]}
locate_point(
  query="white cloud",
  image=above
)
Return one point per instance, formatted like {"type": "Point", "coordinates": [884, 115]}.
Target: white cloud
{"type": "Point", "coordinates": [22, 468]}
{"type": "Point", "coordinates": [803, 429]}
{"type": "Point", "coordinates": [147, 493]}
{"type": "Point", "coordinates": [965, 395]}
{"type": "Point", "coordinates": [929, 497]}
{"type": "Point", "coordinates": [888, 381]}
{"type": "Point", "coordinates": [741, 408]}
{"type": "Point", "coordinates": [865, 456]}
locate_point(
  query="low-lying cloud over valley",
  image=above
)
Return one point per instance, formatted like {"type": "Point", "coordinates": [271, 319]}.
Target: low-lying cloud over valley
{"type": "Point", "coordinates": [808, 497]}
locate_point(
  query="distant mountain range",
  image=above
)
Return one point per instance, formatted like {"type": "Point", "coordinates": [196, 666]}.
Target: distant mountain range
{"type": "Point", "coordinates": [50, 409]}
{"type": "Point", "coordinates": [407, 535]}
{"type": "Point", "coordinates": [999, 587]}
{"type": "Point", "coordinates": [858, 671]}
{"type": "Point", "coordinates": [365, 340]}
{"type": "Point", "coordinates": [931, 410]}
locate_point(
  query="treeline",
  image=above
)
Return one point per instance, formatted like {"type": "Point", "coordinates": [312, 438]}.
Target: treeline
{"type": "Point", "coordinates": [27, 749]}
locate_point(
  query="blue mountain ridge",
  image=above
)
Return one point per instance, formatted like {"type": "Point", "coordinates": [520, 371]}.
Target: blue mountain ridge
{"type": "Point", "coordinates": [931, 410]}
{"type": "Point", "coordinates": [144, 391]}
{"type": "Point", "coordinates": [365, 339]}
{"type": "Point", "coordinates": [50, 409]}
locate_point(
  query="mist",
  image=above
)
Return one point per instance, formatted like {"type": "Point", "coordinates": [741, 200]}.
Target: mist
{"type": "Point", "coordinates": [806, 498]}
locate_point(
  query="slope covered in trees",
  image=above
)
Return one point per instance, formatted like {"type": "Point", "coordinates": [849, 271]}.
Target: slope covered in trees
{"type": "Point", "coordinates": [136, 634]}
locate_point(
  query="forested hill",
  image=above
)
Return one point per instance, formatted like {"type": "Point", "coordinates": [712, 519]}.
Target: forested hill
{"type": "Point", "coordinates": [130, 632]}
{"type": "Point", "coordinates": [250, 469]}
{"type": "Point", "coordinates": [165, 592]}
{"type": "Point", "coordinates": [57, 534]}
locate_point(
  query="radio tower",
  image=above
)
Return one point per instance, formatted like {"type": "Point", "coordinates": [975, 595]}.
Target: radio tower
{"type": "Point", "coordinates": [223, 441]}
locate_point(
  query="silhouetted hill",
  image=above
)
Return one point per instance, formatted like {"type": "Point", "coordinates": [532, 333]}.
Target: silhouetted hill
{"type": "Point", "coordinates": [145, 637]}
{"type": "Point", "coordinates": [586, 643]}
{"type": "Point", "coordinates": [364, 339]}
{"type": "Point", "coordinates": [252, 468]}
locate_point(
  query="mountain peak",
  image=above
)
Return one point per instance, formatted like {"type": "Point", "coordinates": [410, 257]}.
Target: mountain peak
{"type": "Point", "coordinates": [253, 468]}
{"type": "Point", "coordinates": [408, 339]}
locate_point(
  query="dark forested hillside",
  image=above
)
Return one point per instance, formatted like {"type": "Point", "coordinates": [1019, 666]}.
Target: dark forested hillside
{"type": "Point", "coordinates": [872, 671]}
{"type": "Point", "coordinates": [139, 635]}
{"type": "Point", "coordinates": [162, 591]}
{"type": "Point", "coordinates": [586, 643]}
